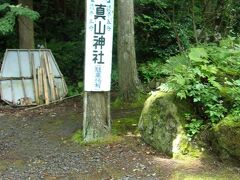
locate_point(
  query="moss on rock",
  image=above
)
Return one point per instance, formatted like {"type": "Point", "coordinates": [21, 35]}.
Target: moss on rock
{"type": "Point", "coordinates": [162, 125]}
{"type": "Point", "coordinates": [226, 139]}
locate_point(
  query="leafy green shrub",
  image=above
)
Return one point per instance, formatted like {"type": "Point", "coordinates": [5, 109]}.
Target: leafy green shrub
{"type": "Point", "coordinates": [233, 91]}
{"type": "Point", "coordinates": [193, 125]}
{"type": "Point", "coordinates": [10, 12]}
{"type": "Point", "coordinates": [150, 70]}
{"type": "Point", "coordinates": [209, 75]}
{"type": "Point", "coordinates": [75, 89]}
{"type": "Point", "coordinates": [8, 15]}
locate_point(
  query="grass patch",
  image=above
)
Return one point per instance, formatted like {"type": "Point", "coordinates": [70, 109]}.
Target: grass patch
{"type": "Point", "coordinates": [225, 175]}
{"type": "Point", "coordinates": [125, 126]}
{"type": "Point", "coordinates": [120, 127]}
{"type": "Point", "coordinates": [138, 103]}
{"type": "Point", "coordinates": [78, 139]}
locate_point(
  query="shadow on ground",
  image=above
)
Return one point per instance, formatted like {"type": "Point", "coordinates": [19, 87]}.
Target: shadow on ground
{"type": "Point", "coordinates": [36, 144]}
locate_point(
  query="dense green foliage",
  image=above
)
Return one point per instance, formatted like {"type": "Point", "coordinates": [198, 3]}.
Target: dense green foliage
{"type": "Point", "coordinates": [61, 29]}
{"type": "Point", "coordinates": [150, 70]}
{"type": "Point", "coordinates": [209, 76]}
{"type": "Point", "coordinates": [189, 44]}
{"type": "Point", "coordinates": [9, 14]}
{"type": "Point", "coordinates": [163, 28]}
{"type": "Point", "coordinates": [166, 27]}
{"type": "Point", "coordinates": [154, 33]}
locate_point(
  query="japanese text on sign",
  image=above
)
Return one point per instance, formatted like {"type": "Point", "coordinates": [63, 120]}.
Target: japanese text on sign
{"type": "Point", "coordinates": [98, 53]}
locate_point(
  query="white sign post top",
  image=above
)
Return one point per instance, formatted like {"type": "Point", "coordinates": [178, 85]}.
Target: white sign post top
{"type": "Point", "coordinates": [98, 47]}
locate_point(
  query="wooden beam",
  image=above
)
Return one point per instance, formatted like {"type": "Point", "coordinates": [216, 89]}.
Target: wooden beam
{"type": "Point", "coordinates": [35, 85]}
{"type": "Point", "coordinates": [45, 86]}
{"type": "Point", "coordinates": [20, 78]}
{"type": "Point", "coordinates": [49, 76]}
{"type": "Point", "coordinates": [40, 84]}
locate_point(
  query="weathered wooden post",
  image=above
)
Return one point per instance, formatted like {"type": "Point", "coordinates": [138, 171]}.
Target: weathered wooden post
{"type": "Point", "coordinates": [98, 63]}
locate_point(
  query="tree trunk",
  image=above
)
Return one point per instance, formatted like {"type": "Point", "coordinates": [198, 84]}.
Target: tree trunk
{"type": "Point", "coordinates": [96, 124]}
{"type": "Point", "coordinates": [26, 31]}
{"type": "Point", "coordinates": [128, 77]}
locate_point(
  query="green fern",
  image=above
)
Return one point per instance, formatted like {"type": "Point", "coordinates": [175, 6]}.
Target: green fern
{"type": "Point", "coordinates": [203, 75]}
{"type": "Point", "coordinates": [7, 23]}
{"type": "Point", "coordinates": [176, 64]}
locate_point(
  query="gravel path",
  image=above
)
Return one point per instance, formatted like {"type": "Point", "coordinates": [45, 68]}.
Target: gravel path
{"type": "Point", "coordinates": [36, 145]}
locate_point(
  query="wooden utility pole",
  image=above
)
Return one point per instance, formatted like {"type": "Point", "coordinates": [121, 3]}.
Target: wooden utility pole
{"type": "Point", "coordinates": [98, 61]}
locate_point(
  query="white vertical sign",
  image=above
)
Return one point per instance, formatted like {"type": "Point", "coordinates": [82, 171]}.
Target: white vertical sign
{"type": "Point", "coordinates": [98, 47]}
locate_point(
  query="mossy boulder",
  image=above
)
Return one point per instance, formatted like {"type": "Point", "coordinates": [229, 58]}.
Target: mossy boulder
{"type": "Point", "coordinates": [162, 125]}
{"type": "Point", "coordinates": [226, 140]}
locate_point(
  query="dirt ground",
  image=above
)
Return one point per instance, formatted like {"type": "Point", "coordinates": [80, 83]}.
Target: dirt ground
{"type": "Point", "coordinates": [36, 144]}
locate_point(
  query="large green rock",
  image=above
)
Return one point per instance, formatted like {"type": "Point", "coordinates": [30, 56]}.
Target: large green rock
{"type": "Point", "coordinates": [226, 139]}
{"type": "Point", "coordinates": [162, 125]}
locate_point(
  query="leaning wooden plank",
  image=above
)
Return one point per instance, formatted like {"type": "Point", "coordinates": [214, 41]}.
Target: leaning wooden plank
{"type": "Point", "coordinates": [45, 87]}
{"type": "Point", "coordinates": [51, 78]}
{"type": "Point", "coordinates": [64, 87]}
{"type": "Point", "coordinates": [42, 76]}
{"type": "Point", "coordinates": [45, 67]}
{"type": "Point", "coordinates": [42, 64]}
{"type": "Point", "coordinates": [34, 78]}
{"type": "Point", "coordinates": [40, 84]}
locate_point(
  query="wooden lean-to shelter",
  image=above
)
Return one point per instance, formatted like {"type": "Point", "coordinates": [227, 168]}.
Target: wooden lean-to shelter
{"type": "Point", "coordinates": [31, 77]}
